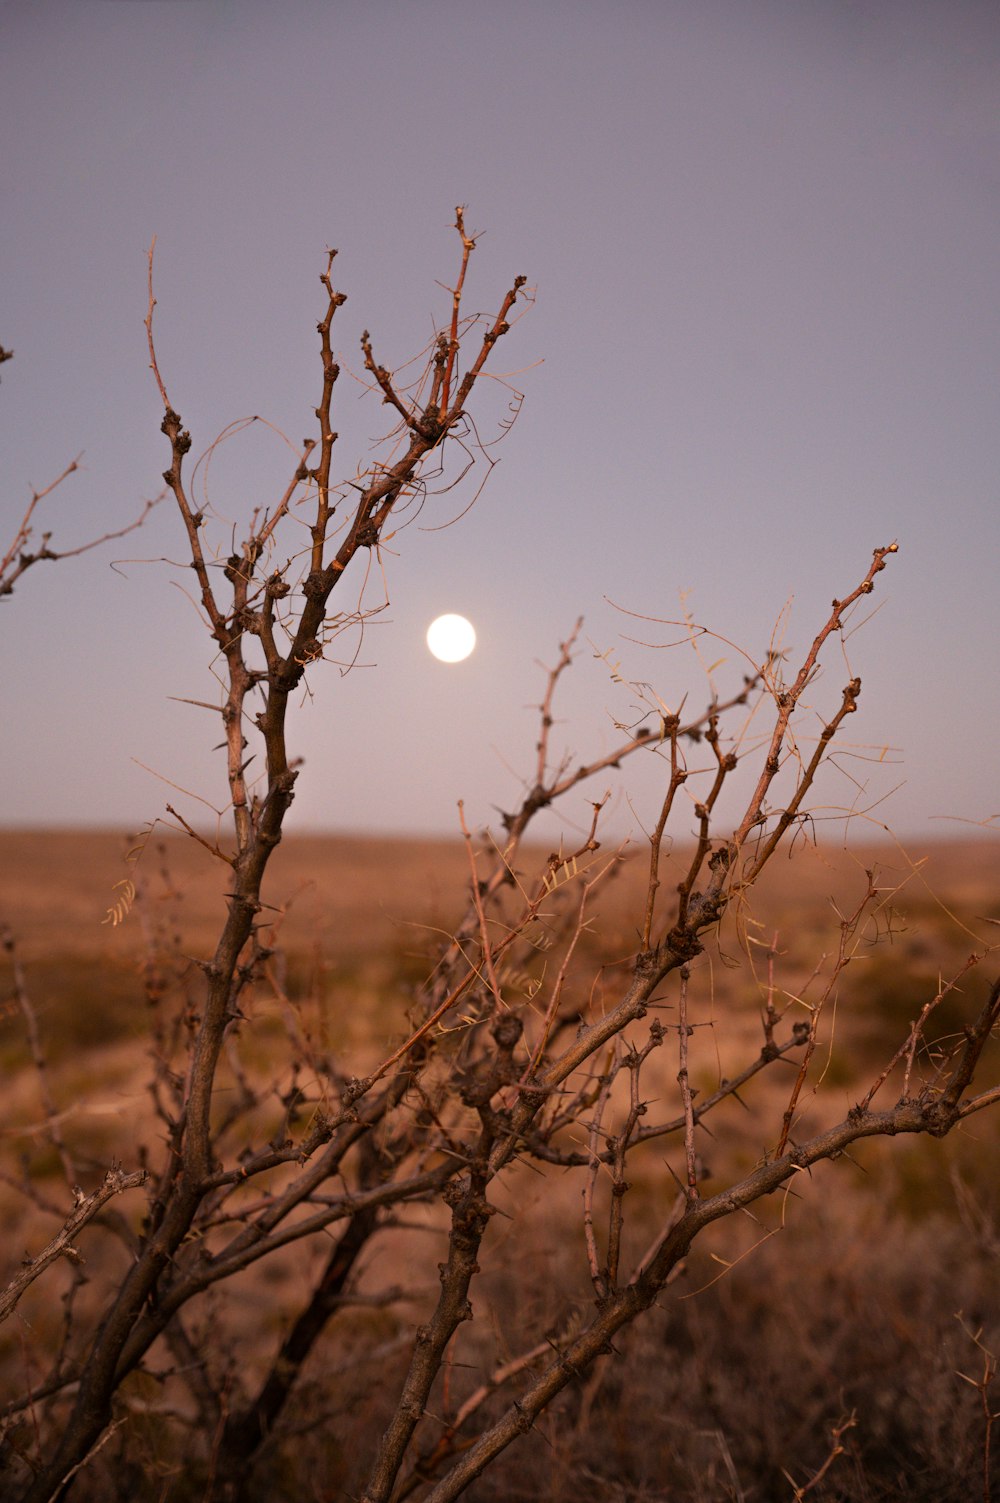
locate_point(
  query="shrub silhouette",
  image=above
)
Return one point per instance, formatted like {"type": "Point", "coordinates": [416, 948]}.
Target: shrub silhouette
{"type": "Point", "coordinates": [465, 1224]}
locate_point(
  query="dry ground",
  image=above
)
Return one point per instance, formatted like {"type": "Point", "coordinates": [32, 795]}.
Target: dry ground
{"type": "Point", "coordinates": [355, 891]}
{"type": "Point", "coordinates": [736, 1379]}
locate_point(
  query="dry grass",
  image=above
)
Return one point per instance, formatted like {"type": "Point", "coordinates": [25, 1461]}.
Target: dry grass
{"type": "Point", "coordinates": [847, 1305]}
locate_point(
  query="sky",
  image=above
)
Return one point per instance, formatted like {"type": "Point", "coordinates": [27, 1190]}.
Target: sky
{"type": "Point", "coordinates": [761, 238]}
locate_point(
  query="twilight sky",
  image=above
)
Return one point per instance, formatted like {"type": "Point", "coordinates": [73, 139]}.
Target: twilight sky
{"type": "Point", "coordinates": [764, 239]}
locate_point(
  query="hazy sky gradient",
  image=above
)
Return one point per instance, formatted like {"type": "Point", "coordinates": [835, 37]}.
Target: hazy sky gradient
{"type": "Point", "coordinates": [766, 339]}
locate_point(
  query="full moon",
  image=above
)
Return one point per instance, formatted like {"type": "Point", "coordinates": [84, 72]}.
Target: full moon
{"type": "Point", "coordinates": [451, 638]}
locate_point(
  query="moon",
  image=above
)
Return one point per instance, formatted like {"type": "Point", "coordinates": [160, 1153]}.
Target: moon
{"type": "Point", "coordinates": [451, 638]}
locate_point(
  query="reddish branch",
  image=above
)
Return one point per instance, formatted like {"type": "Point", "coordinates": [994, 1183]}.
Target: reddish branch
{"type": "Point", "coordinates": [18, 559]}
{"type": "Point", "coordinates": [504, 1057]}
{"type": "Point", "coordinates": [115, 1182]}
{"type": "Point", "coordinates": [250, 614]}
{"type": "Point", "coordinates": [935, 1116]}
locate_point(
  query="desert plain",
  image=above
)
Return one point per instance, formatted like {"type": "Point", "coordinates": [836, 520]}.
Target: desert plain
{"type": "Point", "coordinates": [866, 1300]}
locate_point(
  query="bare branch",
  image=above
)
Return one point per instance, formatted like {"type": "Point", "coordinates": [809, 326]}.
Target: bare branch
{"type": "Point", "coordinates": [115, 1182]}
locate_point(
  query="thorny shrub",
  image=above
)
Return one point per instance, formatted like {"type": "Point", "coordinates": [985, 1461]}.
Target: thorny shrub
{"type": "Point", "coordinates": [399, 1262]}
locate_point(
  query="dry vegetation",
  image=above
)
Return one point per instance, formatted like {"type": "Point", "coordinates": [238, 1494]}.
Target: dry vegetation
{"type": "Point", "coordinates": [337, 1169]}
{"type": "Point", "coordinates": [857, 1300]}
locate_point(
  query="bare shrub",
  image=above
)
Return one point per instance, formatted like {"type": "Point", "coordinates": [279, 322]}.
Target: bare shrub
{"type": "Point", "coordinates": [560, 1127]}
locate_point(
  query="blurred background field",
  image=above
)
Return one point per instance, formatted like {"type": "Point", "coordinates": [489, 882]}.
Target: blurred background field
{"type": "Point", "coordinates": [856, 1294]}
{"type": "Point", "coordinates": [372, 911]}
{"type": "Point", "coordinates": [358, 923]}
{"type": "Point", "coordinates": [355, 895]}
